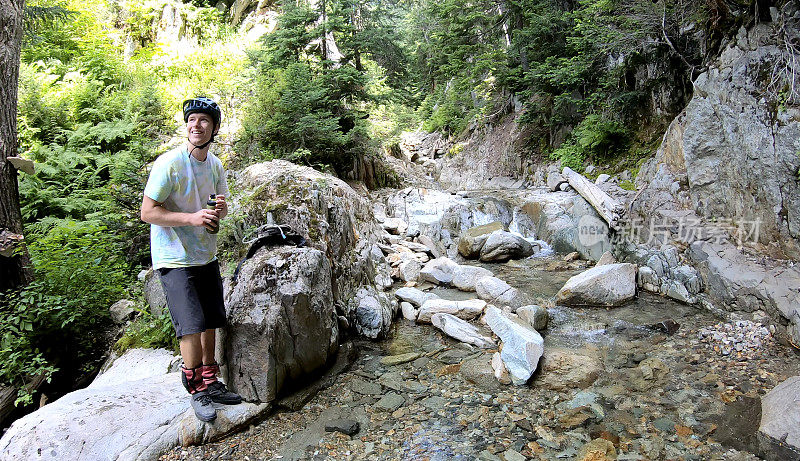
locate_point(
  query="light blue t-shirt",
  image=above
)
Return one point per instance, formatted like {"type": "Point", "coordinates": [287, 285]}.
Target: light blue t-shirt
{"type": "Point", "coordinates": [183, 183]}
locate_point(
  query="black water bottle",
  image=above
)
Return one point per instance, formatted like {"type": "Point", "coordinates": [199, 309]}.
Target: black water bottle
{"type": "Point", "coordinates": [211, 204]}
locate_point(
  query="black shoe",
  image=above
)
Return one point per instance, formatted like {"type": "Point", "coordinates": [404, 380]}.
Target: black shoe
{"type": "Point", "coordinates": [220, 394]}
{"type": "Point", "coordinates": [203, 406]}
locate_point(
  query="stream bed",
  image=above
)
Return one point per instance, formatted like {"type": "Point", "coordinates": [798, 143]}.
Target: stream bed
{"type": "Point", "coordinates": [645, 381]}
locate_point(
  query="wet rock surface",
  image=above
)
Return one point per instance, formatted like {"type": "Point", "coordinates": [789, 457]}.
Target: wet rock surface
{"type": "Point", "coordinates": [607, 386]}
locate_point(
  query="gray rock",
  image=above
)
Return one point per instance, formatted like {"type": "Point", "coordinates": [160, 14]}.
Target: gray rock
{"type": "Point", "coordinates": [647, 279]}
{"type": "Point", "coordinates": [471, 241]}
{"type": "Point", "coordinates": [602, 178]}
{"type": "Point", "coordinates": [434, 403]}
{"type": "Point", "coordinates": [395, 226]}
{"type": "Point", "coordinates": [780, 413]}
{"type": "Point", "coordinates": [501, 246]}
{"type": "Point", "coordinates": [563, 369]}
{"type": "Point", "coordinates": [606, 258]}
{"type": "Point", "coordinates": [409, 311]}
{"type": "Point", "coordinates": [466, 277]}
{"type": "Point", "coordinates": [390, 402]}
{"type": "Point", "coordinates": [122, 311]}
{"type": "Point", "coordinates": [689, 277]}
{"type": "Point", "coordinates": [609, 285]}
{"type": "Point", "coordinates": [555, 180]}
{"type": "Point", "coordinates": [659, 264]}
{"type": "Point", "coordinates": [522, 345]}
{"type": "Point", "coordinates": [414, 296]}
{"type": "Point", "coordinates": [678, 292]}
{"type": "Point", "coordinates": [410, 270]}
{"type": "Point", "coordinates": [135, 365]}
{"type": "Point", "coordinates": [497, 292]}
{"type": "Point", "coordinates": [535, 316]}
{"type": "Point", "coordinates": [467, 309]}
{"type": "Point", "coordinates": [371, 312]}
{"type": "Point", "coordinates": [153, 413]}
{"type": "Point", "coordinates": [433, 247]}
{"type": "Point", "coordinates": [345, 426]}
{"type": "Point", "coordinates": [154, 293]}
{"type": "Point", "coordinates": [439, 271]}
{"type": "Point", "coordinates": [282, 325]}
{"type": "Point", "coordinates": [479, 372]}
{"type": "Point", "coordinates": [359, 386]}
{"type": "Point", "coordinates": [461, 330]}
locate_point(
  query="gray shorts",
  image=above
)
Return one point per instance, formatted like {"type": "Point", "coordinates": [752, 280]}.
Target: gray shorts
{"type": "Point", "coordinates": [194, 298]}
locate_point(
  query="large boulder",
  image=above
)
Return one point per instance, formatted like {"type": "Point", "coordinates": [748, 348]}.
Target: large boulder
{"type": "Point", "coordinates": [501, 246]}
{"type": "Point", "coordinates": [780, 415]}
{"type": "Point", "coordinates": [326, 211]}
{"type": "Point", "coordinates": [608, 285]}
{"type": "Point", "coordinates": [414, 296]}
{"type": "Point", "coordinates": [471, 241]}
{"type": "Point", "coordinates": [522, 345]}
{"type": "Point", "coordinates": [123, 417]}
{"type": "Point", "coordinates": [282, 321]}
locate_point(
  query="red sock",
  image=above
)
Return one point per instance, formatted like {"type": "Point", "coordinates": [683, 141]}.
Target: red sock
{"type": "Point", "coordinates": [209, 373]}
{"type": "Point", "coordinates": [193, 379]}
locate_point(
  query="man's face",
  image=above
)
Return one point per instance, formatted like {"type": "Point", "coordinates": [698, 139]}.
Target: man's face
{"type": "Point", "coordinates": [199, 128]}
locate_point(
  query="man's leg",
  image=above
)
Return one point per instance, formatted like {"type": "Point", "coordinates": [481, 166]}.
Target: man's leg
{"type": "Point", "coordinates": [218, 391]}
{"type": "Point", "coordinates": [192, 350]}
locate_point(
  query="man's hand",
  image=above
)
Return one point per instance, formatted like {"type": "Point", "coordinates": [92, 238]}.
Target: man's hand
{"type": "Point", "coordinates": [205, 218]}
{"type": "Point", "coordinates": [222, 206]}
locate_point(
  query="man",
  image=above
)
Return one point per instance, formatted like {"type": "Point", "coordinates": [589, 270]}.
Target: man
{"type": "Point", "coordinates": [183, 247]}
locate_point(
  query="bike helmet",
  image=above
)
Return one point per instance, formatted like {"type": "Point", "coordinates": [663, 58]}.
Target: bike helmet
{"type": "Point", "coordinates": [203, 105]}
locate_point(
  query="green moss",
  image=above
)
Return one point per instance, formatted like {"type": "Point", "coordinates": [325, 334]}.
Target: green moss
{"type": "Point", "coordinates": [150, 332]}
{"type": "Point", "coordinates": [627, 185]}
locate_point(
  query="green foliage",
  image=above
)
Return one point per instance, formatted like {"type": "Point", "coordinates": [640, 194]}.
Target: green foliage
{"type": "Point", "coordinates": [148, 331]}
{"type": "Point", "coordinates": [594, 138]}
{"type": "Point", "coordinates": [57, 319]}
{"type": "Point", "coordinates": [627, 185]}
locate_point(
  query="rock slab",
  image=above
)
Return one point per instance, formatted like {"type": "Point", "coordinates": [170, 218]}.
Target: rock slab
{"type": "Point", "coordinates": [522, 345]}
{"type": "Point", "coordinates": [607, 285]}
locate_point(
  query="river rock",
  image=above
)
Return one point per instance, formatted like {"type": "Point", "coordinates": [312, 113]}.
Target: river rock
{"type": "Point", "coordinates": [461, 330]}
{"type": "Point", "coordinates": [602, 178]}
{"type": "Point", "coordinates": [609, 285]}
{"type": "Point", "coordinates": [395, 226]}
{"type": "Point", "coordinates": [122, 311]}
{"type": "Point", "coordinates": [647, 279]}
{"type": "Point", "coordinates": [479, 371]}
{"type": "Point", "coordinates": [563, 369]}
{"type": "Point", "coordinates": [597, 450]}
{"type": "Point", "coordinates": [371, 312]}
{"type": "Point", "coordinates": [409, 311]}
{"type": "Point", "coordinates": [439, 271]}
{"type": "Point", "coordinates": [466, 277]}
{"type": "Point", "coordinates": [555, 180]}
{"type": "Point", "coordinates": [129, 420]}
{"type": "Point", "coordinates": [414, 296]}
{"type": "Point", "coordinates": [409, 270]}
{"type": "Point", "coordinates": [689, 278]}
{"type": "Point", "coordinates": [471, 241]}
{"type": "Point", "coordinates": [501, 246]}
{"type": "Point", "coordinates": [780, 413]}
{"type": "Point", "coordinates": [467, 309]}
{"type": "Point", "coordinates": [500, 370]}
{"type": "Point", "coordinates": [535, 316]}
{"type": "Point", "coordinates": [606, 258]}
{"type": "Point", "coordinates": [282, 324]}
{"type": "Point", "coordinates": [154, 293]}
{"type": "Point", "coordinates": [522, 345]}
{"type": "Point", "coordinates": [497, 292]}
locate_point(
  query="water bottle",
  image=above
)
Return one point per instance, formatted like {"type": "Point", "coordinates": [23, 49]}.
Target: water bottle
{"type": "Point", "coordinates": [211, 204]}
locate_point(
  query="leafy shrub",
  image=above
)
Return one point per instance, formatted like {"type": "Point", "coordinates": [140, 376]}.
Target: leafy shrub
{"type": "Point", "coordinates": [594, 138]}
{"type": "Point", "coordinates": [57, 320]}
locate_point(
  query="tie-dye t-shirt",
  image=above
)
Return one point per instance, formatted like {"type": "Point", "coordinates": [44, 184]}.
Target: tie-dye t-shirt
{"type": "Point", "coordinates": [182, 183]}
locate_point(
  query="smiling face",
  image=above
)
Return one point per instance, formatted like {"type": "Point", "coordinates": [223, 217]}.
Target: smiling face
{"type": "Point", "coordinates": [199, 128]}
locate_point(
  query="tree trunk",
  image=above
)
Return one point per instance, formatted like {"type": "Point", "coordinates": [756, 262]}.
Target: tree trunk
{"type": "Point", "coordinates": [14, 271]}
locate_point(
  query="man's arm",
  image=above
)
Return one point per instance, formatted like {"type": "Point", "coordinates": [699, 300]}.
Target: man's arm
{"type": "Point", "coordinates": [152, 212]}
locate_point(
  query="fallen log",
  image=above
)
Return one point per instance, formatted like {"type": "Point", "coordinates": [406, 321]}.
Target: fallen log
{"type": "Point", "coordinates": [608, 208]}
